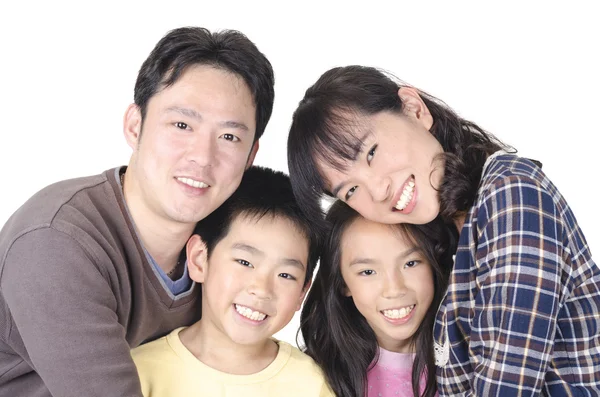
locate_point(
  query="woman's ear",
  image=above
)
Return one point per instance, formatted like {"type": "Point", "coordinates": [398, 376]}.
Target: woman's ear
{"type": "Point", "coordinates": [413, 106]}
{"type": "Point", "coordinates": [197, 258]}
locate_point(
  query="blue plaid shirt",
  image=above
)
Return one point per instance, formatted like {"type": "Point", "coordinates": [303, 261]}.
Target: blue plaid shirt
{"type": "Point", "coordinates": [522, 311]}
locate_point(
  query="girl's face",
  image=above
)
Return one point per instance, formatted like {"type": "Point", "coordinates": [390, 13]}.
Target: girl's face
{"type": "Point", "coordinates": [389, 280]}
{"type": "Point", "coordinates": [395, 177]}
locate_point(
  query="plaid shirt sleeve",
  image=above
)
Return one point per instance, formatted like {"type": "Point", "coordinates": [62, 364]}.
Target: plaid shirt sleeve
{"type": "Point", "coordinates": [520, 283]}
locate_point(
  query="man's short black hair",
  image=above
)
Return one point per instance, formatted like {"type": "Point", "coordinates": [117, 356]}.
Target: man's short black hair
{"type": "Point", "coordinates": [262, 192]}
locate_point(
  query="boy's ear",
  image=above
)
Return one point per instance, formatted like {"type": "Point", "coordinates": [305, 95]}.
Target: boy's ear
{"type": "Point", "coordinates": [197, 258]}
{"type": "Point", "coordinates": [303, 294]}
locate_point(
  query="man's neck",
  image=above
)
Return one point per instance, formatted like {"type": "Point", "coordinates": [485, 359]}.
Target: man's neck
{"type": "Point", "coordinates": [213, 348]}
{"type": "Point", "coordinates": [162, 238]}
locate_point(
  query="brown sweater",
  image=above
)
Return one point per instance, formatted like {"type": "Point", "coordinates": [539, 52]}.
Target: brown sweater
{"type": "Point", "coordinates": [77, 292]}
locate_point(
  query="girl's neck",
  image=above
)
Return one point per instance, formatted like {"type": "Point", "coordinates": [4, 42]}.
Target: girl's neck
{"type": "Point", "coordinates": [396, 346]}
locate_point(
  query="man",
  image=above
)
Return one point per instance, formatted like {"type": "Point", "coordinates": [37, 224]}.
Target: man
{"type": "Point", "coordinates": [91, 267]}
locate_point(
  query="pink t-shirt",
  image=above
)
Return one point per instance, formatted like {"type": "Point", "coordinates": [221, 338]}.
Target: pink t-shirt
{"type": "Point", "coordinates": [391, 376]}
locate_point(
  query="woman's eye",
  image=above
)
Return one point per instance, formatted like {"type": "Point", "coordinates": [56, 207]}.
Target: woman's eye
{"type": "Point", "coordinates": [371, 154]}
{"type": "Point", "coordinates": [181, 125]}
{"type": "Point", "coordinates": [244, 262]}
{"type": "Point", "coordinates": [287, 276]}
{"type": "Point", "coordinates": [350, 192]}
{"type": "Point", "coordinates": [230, 137]}
{"type": "Point", "coordinates": [367, 272]}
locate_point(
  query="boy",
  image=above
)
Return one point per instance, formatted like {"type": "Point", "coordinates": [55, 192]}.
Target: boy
{"type": "Point", "coordinates": [254, 256]}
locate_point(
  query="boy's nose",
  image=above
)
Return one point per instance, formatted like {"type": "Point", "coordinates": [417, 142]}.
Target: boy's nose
{"type": "Point", "coordinates": [261, 288]}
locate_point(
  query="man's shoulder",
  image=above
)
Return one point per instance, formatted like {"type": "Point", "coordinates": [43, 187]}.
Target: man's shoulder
{"type": "Point", "coordinates": [68, 201]}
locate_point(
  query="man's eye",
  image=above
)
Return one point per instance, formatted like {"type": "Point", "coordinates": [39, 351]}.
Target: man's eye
{"type": "Point", "coordinates": [350, 192]}
{"type": "Point", "coordinates": [244, 262]}
{"type": "Point", "coordinates": [230, 137]}
{"type": "Point", "coordinates": [371, 154]}
{"type": "Point", "coordinates": [181, 125]}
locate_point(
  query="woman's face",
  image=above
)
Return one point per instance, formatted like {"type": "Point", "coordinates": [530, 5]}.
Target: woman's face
{"type": "Point", "coordinates": [395, 177]}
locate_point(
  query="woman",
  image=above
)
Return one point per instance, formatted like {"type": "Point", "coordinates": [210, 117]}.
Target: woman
{"type": "Point", "coordinates": [520, 314]}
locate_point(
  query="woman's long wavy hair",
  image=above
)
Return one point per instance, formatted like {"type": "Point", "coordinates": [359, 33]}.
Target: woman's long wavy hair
{"type": "Point", "coordinates": [339, 338]}
{"type": "Point", "coordinates": [325, 128]}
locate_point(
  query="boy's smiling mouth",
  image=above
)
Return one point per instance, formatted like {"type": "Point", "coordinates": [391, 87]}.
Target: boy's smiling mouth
{"type": "Point", "coordinates": [249, 313]}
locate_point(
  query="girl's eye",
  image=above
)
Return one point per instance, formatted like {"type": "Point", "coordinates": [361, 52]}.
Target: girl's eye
{"type": "Point", "coordinates": [287, 276]}
{"type": "Point", "coordinates": [367, 272]}
{"type": "Point", "coordinates": [371, 154]}
{"type": "Point", "coordinates": [411, 263]}
{"type": "Point", "coordinates": [350, 192]}
{"type": "Point", "coordinates": [230, 137]}
{"type": "Point", "coordinates": [244, 262]}
{"type": "Point", "coordinates": [181, 125]}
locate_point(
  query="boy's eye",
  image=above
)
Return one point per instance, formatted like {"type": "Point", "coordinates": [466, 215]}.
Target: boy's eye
{"type": "Point", "coordinates": [371, 154]}
{"type": "Point", "coordinates": [287, 276]}
{"type": "Point", "coordinates": [230, 137]}
{"type": "Point", "coordinates": [244, 262]}
{"type": "Point", "coordinates": [367, 272]}
{"type": "Point", "coordinates": [350, 192]}
{"type": "Point", "coordinates": [181, 125]}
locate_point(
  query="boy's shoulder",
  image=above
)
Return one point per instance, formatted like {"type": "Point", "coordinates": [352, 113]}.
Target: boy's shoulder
{"type": "Point", "coordinates": [156, 352]}
{"type": "Point", "coordinates": [298, 361]}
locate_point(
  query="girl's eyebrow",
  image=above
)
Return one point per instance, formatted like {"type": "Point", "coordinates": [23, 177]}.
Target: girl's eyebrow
{"type": "Point", "coordinates": [409, 252]}
{"type": "Point", "coordinates": [362, 260]}
{"type": "Point", "coordinates": [359, 149]}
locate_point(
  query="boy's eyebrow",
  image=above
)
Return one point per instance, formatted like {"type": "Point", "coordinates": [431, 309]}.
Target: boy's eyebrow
{"type": "Point", "coordinates": [255, 251]}
{"type": "Point", "coordinates": [197, 116]}
{"type": "Point", "coordinates": [248, 248]}
{"type": "Point", "coordinates": [294, 262]}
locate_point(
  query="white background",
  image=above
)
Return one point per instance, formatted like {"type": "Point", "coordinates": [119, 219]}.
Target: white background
{"type": "Point", "coordinates": [526, 71]}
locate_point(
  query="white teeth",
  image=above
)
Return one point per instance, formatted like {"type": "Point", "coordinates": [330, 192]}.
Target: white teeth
{"type": "Point", "coordinates": [192, 183]}
{"type": "Point", "coordinates": [407, 195]}
{"type": "Point", "coordinates": [398, 313]}
{"type": "Point", "coordinates": [249, 313]}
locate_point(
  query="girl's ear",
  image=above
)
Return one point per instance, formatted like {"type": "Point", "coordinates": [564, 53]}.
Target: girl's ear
{"type": "Point", "coordinates": [414, 107]}
{"type": "Point", "coordinates": [197, 258]}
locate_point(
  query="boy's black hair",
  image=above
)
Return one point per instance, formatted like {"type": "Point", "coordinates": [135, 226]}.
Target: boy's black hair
{"type": "Point", "coordinates": [262, 192]}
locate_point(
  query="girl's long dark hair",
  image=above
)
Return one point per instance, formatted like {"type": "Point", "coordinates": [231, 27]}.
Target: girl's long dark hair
{"type": "Point", "coordinates": [339, 338]}
{"type": "Point", "coordinates": [326, 128]}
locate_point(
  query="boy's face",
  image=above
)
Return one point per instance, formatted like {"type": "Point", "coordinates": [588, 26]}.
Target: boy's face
{"type": "Point", "coordinates": [253, 281]}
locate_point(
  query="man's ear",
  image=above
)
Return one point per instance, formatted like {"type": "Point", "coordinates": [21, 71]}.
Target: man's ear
{"type": "Point", "coordinates": [132, 125]}
{"type": "Point", "coordinates": [303, 295]}
{"type": "Point", "coordinates": [413, 106]}
{"type": "Point", "coordinates": [252, 155]}
{"type": "Point", "coordinates": [197, 258]}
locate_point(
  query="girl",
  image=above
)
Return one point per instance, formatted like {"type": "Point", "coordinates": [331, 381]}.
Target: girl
{"type": "Point", "coordinates": [520, 316]}
{"type": "Point", "coordinates": [373, 304]}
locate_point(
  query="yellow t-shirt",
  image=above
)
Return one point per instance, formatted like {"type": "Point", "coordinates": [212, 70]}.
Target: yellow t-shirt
{"type": "Point", "coordinates": [168, 369]}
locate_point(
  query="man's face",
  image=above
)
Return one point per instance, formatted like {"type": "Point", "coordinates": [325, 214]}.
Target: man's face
{"type": "Point", "coordinates": [195, 142]}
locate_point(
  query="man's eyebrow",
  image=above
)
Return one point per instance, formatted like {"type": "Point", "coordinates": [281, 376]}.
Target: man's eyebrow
{"type": "Point", "coordinates": [185, 111]}
{"type": "Point", "coordinates": [197, 116]}
{"type": "Point", "coordinates": [236, 125]}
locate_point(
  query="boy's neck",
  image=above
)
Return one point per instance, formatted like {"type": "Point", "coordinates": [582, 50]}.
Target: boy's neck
{"type": "Point", "coordinates": [216, 350]}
